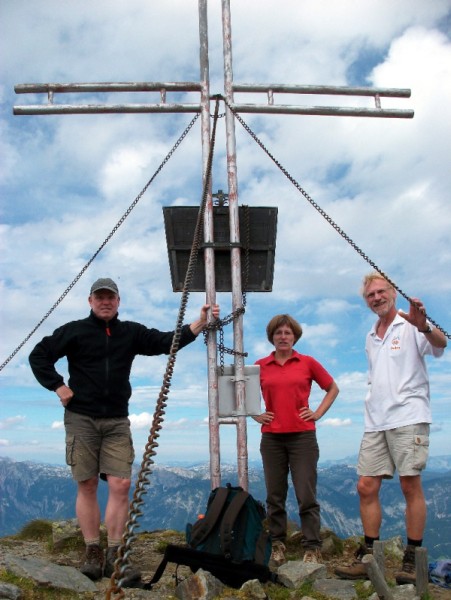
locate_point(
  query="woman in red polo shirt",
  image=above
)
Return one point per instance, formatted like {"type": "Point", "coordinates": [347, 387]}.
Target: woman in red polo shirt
{"type": "Point", "coordinates": [288, 441]}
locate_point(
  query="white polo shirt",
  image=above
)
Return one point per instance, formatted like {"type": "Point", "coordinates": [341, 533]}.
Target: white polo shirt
{"type": "Point", "coordinates": [399, 384]}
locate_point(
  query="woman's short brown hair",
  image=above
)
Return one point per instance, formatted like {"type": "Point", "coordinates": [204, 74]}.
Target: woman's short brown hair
{"type": "Point", "coordinates": [280, 320]}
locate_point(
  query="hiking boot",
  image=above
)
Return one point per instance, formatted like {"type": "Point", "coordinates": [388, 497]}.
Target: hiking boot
{"type": "Point", "coordinates": [312, 555]}
{"type": "Point", "coordinates": [94, 561]}
{"type": "Point", "coordinates": [132, 575]}
{"type": "Point", "coordinates": [357, 569]}
{"type": "Point", "coordinates": [408, 571]}
{"type": "Point", "coordinates": [278, 553]}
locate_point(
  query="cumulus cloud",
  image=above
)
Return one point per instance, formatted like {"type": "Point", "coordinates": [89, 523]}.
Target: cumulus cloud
{"type": "Point", "coordinates": [140, 421]}
{"type": "Point", "coordinates": [335, 423]}
{"type": "Point", "coordinates": [12, 422]}
{"type": "Point", "coordinates": [367, 189]}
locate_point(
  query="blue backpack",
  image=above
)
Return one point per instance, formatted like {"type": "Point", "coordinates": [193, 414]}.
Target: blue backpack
{"type": "Point", "coordinates": [232, 527]}
{"type": "Point", "coordinates": [229, 542]}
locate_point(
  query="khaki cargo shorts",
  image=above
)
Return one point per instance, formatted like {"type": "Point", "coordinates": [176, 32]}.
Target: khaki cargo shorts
{"type": "Point", "coordinates": [98, 446]}
{"type": "Point", "coordinates": [404, 449]}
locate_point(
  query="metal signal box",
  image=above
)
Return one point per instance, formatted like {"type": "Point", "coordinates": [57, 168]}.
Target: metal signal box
{"type": "Point", "coordinates": [226, 391]}
{"type": "Point", "coordinates": [257, 242]}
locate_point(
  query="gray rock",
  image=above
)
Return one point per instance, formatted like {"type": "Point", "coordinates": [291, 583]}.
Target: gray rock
{"type": "Point", "coordinates": [394, 546]}
{"type": "Point", "coordinates": [401, 592]}
{"type": "Point", "coordinates": [10, 592]}
{"type": "Point", "coordinates": [328, 547]}
{"type": "Point", "coordinates": [253, 589]}
{"type": "Point", "coordinates": [200, 586]}
{"type": "Point", "coordinates": [336, 588]}
{"type": "Point", "coordinates": [48, 574]}
{"type": "Point", "coordinates": [295, 572]}
{"type": "Point", "coordinates": [63, 531]}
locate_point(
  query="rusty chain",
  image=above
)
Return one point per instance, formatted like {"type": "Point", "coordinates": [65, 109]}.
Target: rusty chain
{"type": "Point", "coordinates": [142, 481]}
{"type": "Point", "coordinates": [218, 324]}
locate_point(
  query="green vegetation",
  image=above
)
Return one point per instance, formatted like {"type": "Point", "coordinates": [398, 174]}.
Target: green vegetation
{"type": "Point", "coordinates": [166, 537]}
{"type": "Point", "coordinates": [68, 545]}
{"type": "Point", "coordinates": [161, 546]}
{"type": "Point", "coordinates": [306, 589]}
{"type": "Point", "coordinates": [363, 590]}
{"type": "Point", "coordinates": [35, 530]}
{"type": "Point", "coordinates": [31, 592]}
{"type": "Point", "coordinates": [70, 540]}
{"type": "Point", "coordinates": [277, 592]}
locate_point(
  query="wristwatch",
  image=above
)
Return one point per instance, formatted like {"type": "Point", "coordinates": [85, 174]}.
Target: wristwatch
{"type": "Point", "coordinates": [427, 330]}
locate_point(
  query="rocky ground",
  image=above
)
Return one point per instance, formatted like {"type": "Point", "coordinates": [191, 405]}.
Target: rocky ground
{"type": "Point", "coordinates": [147, 553]}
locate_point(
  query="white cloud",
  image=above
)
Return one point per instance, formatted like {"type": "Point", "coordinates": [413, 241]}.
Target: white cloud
{"type": "Point", "coordinates": [144, 421]}
{"type": "Point", "coordinates": [321, 334]}
{"type": "Point", "coordinates": [141, 421]}
{"type": "Point", "coordinates": [67, 180]}
{"type": "Point", "coordinates": [335, 423]}
{"type": "Point", "coordinates": [12, 422]}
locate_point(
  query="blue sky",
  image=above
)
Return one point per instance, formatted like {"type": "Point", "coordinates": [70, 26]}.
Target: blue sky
{"type": "Point", "coordinates": [66, 181]}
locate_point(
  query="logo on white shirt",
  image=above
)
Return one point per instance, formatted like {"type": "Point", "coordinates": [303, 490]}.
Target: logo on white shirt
{"type": "Point", "coordinates": [395, 343]}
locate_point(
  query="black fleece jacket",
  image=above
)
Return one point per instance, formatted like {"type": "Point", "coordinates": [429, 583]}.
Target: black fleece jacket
{"type": "Point", "coordinates": [100, 357]}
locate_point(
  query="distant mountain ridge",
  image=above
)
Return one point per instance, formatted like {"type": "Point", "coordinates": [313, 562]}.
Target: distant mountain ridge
{"type": "Point", "coordinates": [176, 495]}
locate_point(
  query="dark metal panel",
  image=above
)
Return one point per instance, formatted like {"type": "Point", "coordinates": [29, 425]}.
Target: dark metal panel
{"type": "Point", "coordinates": [180, 223]}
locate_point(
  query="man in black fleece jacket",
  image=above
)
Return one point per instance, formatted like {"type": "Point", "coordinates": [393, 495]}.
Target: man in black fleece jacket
{"type": "Point", "coordinates": [100, 350]}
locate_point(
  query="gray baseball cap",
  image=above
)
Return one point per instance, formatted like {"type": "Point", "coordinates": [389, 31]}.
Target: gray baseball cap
{"type": "Point", "coordinates": [104, 283]}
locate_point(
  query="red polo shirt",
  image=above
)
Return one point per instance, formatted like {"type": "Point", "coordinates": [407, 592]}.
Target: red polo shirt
{"type": "Point", "coordinates": [286, 389]}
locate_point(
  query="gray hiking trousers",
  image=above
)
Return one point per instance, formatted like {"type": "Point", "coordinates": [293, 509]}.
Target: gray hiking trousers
{"type": "Point", "coordinates": [298, 454]}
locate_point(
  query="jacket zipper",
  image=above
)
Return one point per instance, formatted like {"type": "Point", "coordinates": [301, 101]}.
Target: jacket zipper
{"type": "Point", "coordinates": [107, 359]}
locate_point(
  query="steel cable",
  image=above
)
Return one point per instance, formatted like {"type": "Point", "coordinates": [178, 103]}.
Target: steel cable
{"type": "Point", "coordinates": [326, 216]}
{"type": "Point", "coordinates": [105, 242]}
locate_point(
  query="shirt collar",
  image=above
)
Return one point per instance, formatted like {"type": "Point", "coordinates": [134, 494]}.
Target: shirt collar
{"type": "Point", "coordinates": [272, 357]}
{"type": "Point", "coordinates": [101, 321]}
{"type": "Point", "coordinates": [398, 320]}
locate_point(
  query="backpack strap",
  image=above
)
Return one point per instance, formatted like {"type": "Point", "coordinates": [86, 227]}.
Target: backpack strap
{"type": "Point", "coordinates": [159, 571]}
{"type": "Point", "coordinates": [202, 528]}
{"type": "Point", "coordinates": [229, 519]}
{"type": "Point", "coordinates": [180, 555]}
{"type": "Point", "coordinates": [234, 574]}
{"type": "Point", "coordinates": [261, 548]}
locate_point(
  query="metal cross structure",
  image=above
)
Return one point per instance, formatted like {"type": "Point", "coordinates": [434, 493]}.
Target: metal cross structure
{"type": "Point", "coordinates": [231, 89]}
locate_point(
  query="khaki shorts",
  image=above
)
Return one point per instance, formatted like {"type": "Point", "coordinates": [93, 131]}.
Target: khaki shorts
{"type": "Point", "coordinates": [98, 446]}
{"type": "Point", "coordinates": [404, 449]}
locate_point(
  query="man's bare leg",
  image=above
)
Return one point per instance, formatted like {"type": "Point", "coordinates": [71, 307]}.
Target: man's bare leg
{"type": "Point", "coordinates": [415, 506]}
{"type": "Point", "coordinates": [116, 512]}
{"type": "Point", "coordinates": [87, 508]}
{"type": "Point", "coordinates": [370, 507]}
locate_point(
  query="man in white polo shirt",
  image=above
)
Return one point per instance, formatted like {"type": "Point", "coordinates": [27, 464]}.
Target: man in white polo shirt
{"type": "Point", "coordinates": [397, 418]}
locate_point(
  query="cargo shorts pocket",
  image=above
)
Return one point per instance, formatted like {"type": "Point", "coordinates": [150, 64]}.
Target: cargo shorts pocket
{"type": "Point", "coordinates": [421, 450]}
{"type": "Point", "coordinates": [70, 450]}
{"type": "Point", "coordinates": [132, 452]}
